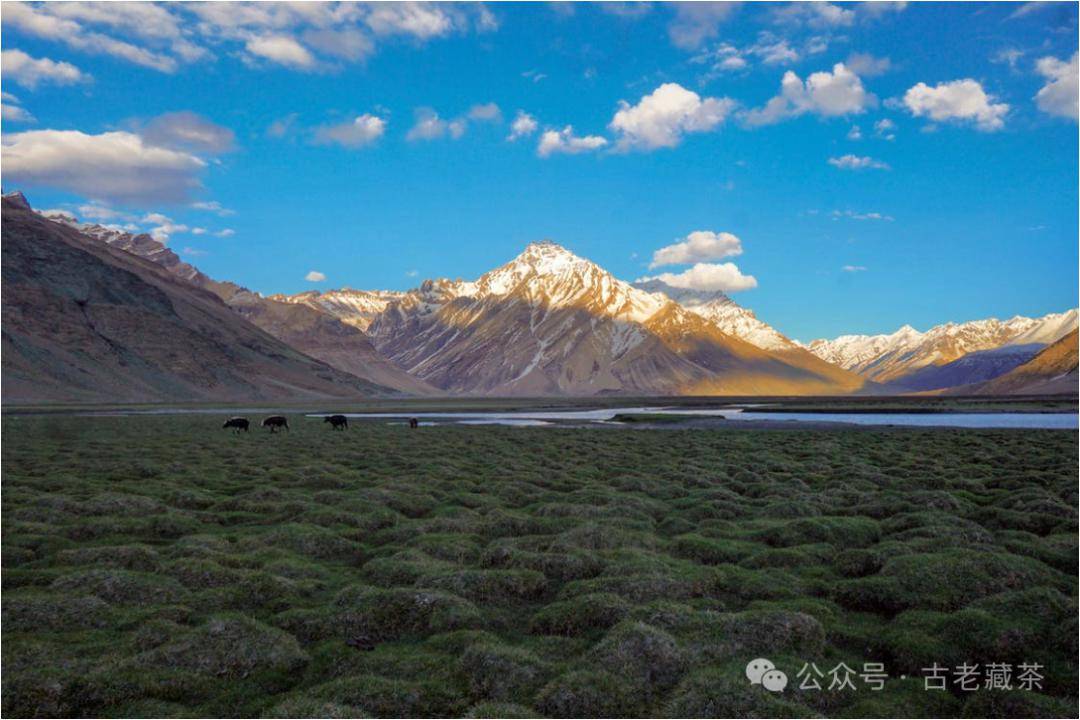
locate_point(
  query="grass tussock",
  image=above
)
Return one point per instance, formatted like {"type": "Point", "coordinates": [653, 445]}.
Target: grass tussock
{"type": "Point", "coordinates": [155, 566]}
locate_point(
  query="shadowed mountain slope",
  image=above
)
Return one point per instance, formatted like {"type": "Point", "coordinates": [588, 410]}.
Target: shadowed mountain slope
{"type": "Point", "coordinates": [975, 367]}
{"type": "Point", "coordinates": [306, 328]}
{"type": "Point", "coordinates": [83, 321]}
{"type": "Point", "coordinates": [1052, 372]}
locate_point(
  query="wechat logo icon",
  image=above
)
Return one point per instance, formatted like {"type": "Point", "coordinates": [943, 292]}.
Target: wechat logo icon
{"type": "Point", "coordinates": [763, 672]}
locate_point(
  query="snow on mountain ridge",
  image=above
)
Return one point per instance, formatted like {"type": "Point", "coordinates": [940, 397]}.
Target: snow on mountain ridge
{"type": "Point", "coordinates": [726, 314]}
{"type": "Point", "coordinates": [353, 307]}
{"type": "Point", "coordinates": [141, 244]}
{"type": "Point", "coordinates": [890, 356]}
{"type": "Point", "coordinates": [548, 273]}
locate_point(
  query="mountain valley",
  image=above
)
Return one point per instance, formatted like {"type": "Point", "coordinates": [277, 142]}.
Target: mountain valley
{"type": "Point", "coordinates": [546, 323]}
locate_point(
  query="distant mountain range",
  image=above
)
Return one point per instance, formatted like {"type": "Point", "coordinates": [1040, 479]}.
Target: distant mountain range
{"type": "Point", "coordinates": [546, 323]}
{"type": "Point", "coordinates": [945, 355]}
{"type": "Point", "coordinates": [550, 322]}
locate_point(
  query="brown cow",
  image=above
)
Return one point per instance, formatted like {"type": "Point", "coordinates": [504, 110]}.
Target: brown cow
{"type": "Point", "coordinates": [276, 421]}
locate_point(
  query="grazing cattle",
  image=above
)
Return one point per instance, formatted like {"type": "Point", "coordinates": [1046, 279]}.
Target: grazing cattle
{"type": "Point", "coordinates": [414, 423]}
{"type": "Point", "coordinates": [337, 422]}
{"type": "Point", "coordinates": [237, 424]}
{"type": "Point", "coordinates": [274, 422]}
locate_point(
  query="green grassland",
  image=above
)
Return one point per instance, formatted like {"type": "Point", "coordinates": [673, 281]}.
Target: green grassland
{"type": "Point", "coordinates": [159, 566]}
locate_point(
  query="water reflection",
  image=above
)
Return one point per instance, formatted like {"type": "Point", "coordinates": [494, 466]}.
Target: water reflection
{"type": "Point", "coordinates": [606, 415]}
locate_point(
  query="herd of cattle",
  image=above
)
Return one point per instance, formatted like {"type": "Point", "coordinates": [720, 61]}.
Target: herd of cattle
{"type": "Point", "coordinates": [280, 422]}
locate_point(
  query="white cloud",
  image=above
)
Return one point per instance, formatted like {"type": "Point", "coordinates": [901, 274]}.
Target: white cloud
{"type": "Point", "coordinates": [524, 125]}
{"type": "Point", "coordinates": [866, 65]}
{"type": "Point", "coordinates": [145, 20]}
{"type": "Point", "coordinates": [485, 20]}
{"type": "Point", "coordinates": [213, 206]}
{"type": "Point", "coordinates": [346, 44]}
{"type": "Point", "coordinates": [44, 21]}
{"type": "Point", "coordinates": [884, 128]}
{"type": "Point", "coordinates": [98, 211]}
{"type": "Point", "coordinates": [30, 72]}
{"type": "Point", "coordinates": [485, 112]}
{"type": "Point", "coordinates": [429, 126]}
{"type": "Point", "coordinates": [958, 100]}
{"type": "Point", "coordinates": [1009, 56]}
{"type": "Point", "coordinates": [315, 276]}
{"type": "Point", "coordinates": [302, 36]}
{"type": "Point", "coordinates": [834, 94]}
{"type": "Point", "coordinates": [697, 246]}
{"type": "Point", "coordinates": [192, 252]}
{"type": "Point", "coordinates": [363, 130]}
{"type": "Point", "coordinates": [1059, 95]}
{"type": "Point", "coordinates": [661, 118]}
{"type": "Point", "coordinates": [11, 110]}
{"type": "Point", "coordinates": [419, 20]}
{"type": "Point", "coordinates": [819, 15]}
{"type": "Point", "coordinates": [187, 131]}
{"type": "Point", "coordinates": [875, 10]}
{"type": "Point", "coordinates": [111, 166]}
{"type": "Point", "coordinates": [852, 215]}
{"type": "Point", "coordinates": [855, 133]}
{"type": "Point", "coordinates": [769, 48]}
{"type": "Point", "coordinates": [774, 51]}
{"type": "Point", "coordinates": [282, 50]}
{"type": "Point", "coordinates": [198, 231]}
{"type": "Point", "coordinates": [164, 228]}
{"type": "Point", "coordinates": [856, 162]}
{"type": "Point", "coordinates": [708, 277]}
{"type": "Point", "coordinates": [696, 22]}
{"type": "Point", "coordinates": [227, 232]}
{"type": "Point", "coordinates": [565, 142]}
{"type": "Point", "coordinates": [854, 268]}
{"type": "Point", "coordinates": [1028, 8]}
{"type": "Point", "coordinates": [725, 57]}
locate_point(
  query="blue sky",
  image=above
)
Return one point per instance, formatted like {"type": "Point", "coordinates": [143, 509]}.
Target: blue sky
{"type": "Point", "coordinates": [876, 165]}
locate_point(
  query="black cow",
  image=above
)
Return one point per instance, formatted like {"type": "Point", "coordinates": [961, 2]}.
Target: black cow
{"type": "Point", "coordinates": [414, 423]}
{"type": "Point", "coordinates": [337, 422]}
{"type": "Point", "coordinates": [237, 424]}
{"type": "Point", "coordinates": [276, 421]}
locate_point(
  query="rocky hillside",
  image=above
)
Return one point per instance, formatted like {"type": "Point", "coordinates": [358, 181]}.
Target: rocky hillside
{"type": "Point", "coordinates": [304, 327]}
{"type": "Point", "coordinates": [83, 321]}
{"type": "Point", "coordinates": [550, 322]}
{"type": "Point", "coordinates": [1052, 372]}
{"type": "Point", "coordinates": [974, 367]}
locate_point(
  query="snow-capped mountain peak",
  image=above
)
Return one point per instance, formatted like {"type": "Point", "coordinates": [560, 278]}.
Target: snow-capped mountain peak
{"type": "Point", "coordinates": [547, 274]}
